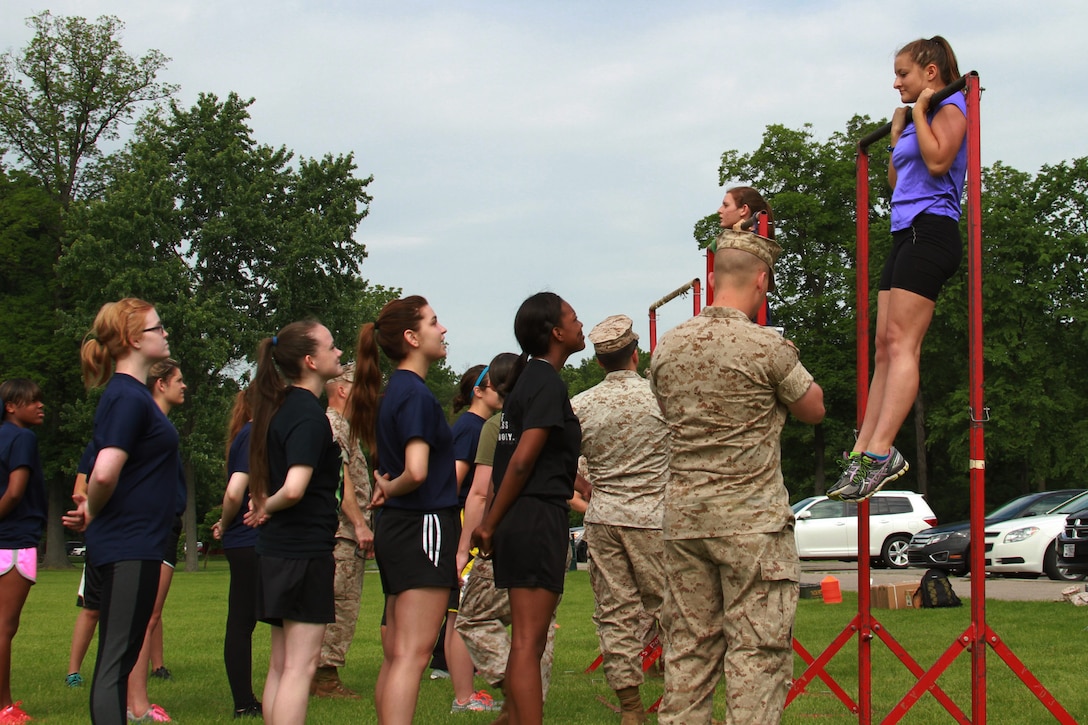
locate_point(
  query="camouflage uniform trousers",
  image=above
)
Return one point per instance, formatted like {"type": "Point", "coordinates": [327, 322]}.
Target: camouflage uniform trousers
{"type": "Point", "coordinates": [347, 590]}
{"type": "Point", "coordinates": [482, 620]}
{"type": "Point", "coordinates": [729, 604]}
{"type": "Point", "coordinates": [627, 573]}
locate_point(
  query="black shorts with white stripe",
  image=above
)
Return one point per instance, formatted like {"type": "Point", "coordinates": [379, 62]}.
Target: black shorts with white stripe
{"type": "Point", "coordinates": [416, 549]}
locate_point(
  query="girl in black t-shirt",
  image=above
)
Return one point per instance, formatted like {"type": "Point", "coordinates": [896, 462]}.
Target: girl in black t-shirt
{"type": "Point", "coordinates": [294, 477]}
{"type": "Point", "coordinates": [535, 463]}
{"type": "Point", "coordinates": [416, 526]}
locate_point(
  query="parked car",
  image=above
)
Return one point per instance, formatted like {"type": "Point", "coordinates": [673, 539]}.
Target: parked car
{"type": "Point", "coordinates": [75, 548]}
{"type": "Point", "coordinates": [581, 546]}
{"type": "Point", "coordinates": [828, 529]}
{"type": "Point", "coordinates": [1029, 546]}
{"type": "Point", "coordinates": [947, 546]}
{"type": "Point", "coordinates": [1073, 543]}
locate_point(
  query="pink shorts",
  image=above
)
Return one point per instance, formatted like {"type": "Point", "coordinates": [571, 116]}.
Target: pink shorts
{"type": "Point", "coordinates": [23, 560]}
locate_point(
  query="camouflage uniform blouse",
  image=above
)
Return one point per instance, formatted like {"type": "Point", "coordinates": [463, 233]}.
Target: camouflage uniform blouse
{"type": "Point", "coordinates": [723, 383]}
{"type": "Point", "coordinates": [625, 442]}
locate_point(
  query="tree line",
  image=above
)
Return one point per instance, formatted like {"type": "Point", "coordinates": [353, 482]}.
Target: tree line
{"type": "Point", "coordinates": [232, 238]}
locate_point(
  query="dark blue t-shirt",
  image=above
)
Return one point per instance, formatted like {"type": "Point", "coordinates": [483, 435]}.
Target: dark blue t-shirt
{"type": "Point", "coordinates": [238, 535]}
{"type": "Point", "coordinates": [539, 400]}
{"type": "Point", "coordinates": [134, 523]}
{"type": "Point", "coordinates": [409, 410]}
{"type": "Point", "coordinates": [22, 528]}
{"type": "Point", "coordinates": [466, 439]}
{"type": "Point", "coordinates": [86, 461]}
{"type": "Point", "coordinates": [300, 435]}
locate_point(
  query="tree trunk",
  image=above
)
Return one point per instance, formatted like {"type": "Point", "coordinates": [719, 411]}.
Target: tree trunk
{"type": "Point", "coordinates": [920, 471]}
{"type": "Point", "coordinates": [56, 536]}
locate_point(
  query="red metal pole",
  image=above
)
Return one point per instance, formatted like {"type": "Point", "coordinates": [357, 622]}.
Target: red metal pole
{"type": "Point", "coordinates": [698, 290]}
{"type": "Point", "coordinates": [865, 633]}
{"type": "Point", "coordinates": [709, 277]}
{"type": "Point", "coordinates": [653, 329]}
{"type": "Point", "coordinates": [763, 227]}
{"type": "Point", "coordinates": [862, 283]}
{"type": "Point", "coordinates": [978, 410]}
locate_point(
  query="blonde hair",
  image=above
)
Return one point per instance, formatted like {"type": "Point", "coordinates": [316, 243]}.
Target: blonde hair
{"type": "Point", "coordinates": [114, 328]}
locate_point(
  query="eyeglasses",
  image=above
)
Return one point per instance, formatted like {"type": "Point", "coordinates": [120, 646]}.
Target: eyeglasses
{"type": "Point", "coordinates": [159, 328]}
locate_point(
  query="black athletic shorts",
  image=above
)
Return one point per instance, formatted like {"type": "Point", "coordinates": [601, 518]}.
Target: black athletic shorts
{"type": "Point", "coordinates": [299, 590]}
{"type": "Point", "coordinates": [170, 554]}
{"type": "Point", "coordinates": [89, 595]}
{"type": "Point", "coordinates": [416, 549]}
{"type": "Point", "coordinates": [531, 545]}
{"type": "Point", "coordinates": [924, 256]}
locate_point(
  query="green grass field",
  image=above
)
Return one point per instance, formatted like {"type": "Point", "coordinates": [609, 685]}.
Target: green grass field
{"type": "Point", "coordinates": [1049, 637]}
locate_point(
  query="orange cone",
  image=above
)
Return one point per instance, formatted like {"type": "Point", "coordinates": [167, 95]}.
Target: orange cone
{"type": "Point", "coordinates": [829, 588]}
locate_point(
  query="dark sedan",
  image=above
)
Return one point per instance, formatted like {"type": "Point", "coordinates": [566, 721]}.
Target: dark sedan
{"type": "Point", "coordinates": [947, 547]}
{"type": "Point", "coordinates": [1073, 543]}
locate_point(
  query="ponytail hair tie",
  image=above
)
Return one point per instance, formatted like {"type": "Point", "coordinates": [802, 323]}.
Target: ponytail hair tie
{"type": "Point", "coordinates": [275, 341]}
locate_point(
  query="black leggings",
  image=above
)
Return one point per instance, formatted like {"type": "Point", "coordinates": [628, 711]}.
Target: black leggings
{"type": "Point", "coordinates": [128, 596]}
{"type": "Point", "coordinates": [241, 620]}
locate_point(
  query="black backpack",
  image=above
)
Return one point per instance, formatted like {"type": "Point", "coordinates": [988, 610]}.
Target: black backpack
{"type": "Point", "coordinates": [936, 590]}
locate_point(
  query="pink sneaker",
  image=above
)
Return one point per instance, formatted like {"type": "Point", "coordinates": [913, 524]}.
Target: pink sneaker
{"type": "Point", "coordinates": [14, 714]}
{"type": "Point", "coordinates": [155, 713]}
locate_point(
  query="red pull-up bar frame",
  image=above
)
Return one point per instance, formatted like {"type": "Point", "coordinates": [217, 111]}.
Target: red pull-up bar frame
{"type": "Point", "coordinates": [978, 635]}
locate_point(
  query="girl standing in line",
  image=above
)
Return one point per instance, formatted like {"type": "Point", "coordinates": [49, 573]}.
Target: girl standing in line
{"type": "Point", "coordinates": [535, 464]}
{"type": "Point", "coordinates": [240, 546]}
{"type": "Point", "coordinates": [415, 493]}
{"type": "Point", "coordinates": [131, 494]}
{"type": "Point", "coordinates": [167, 387]}
{"type": "Point", "coordinates": [22, 519]}
{"type": "Point", "coordinates": [294, 480]}
{"type": "Point", "coordinates": [477, 393]}
{"type": "Point", "coordinates": [927, 170]}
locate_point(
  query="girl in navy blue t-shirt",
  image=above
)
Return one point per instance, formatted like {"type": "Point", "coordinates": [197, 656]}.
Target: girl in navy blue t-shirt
{"type": "Point", "coordinates": [294, 485]}
{"type": "Point", "coordinates": [240, 546]}
{"type": "Point", "coordinates": [22, 518]}
{"type": "Point", "coordinates": [536, 459]}
{"type": "Point", "coordinates": [475, 392]}
{"type": "Point", "coordinates": [415, 491]}
{"type": "Point", "coordinates": [131, 491]}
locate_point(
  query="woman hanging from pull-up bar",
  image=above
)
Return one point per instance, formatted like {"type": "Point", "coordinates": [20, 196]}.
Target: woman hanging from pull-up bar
{"type": "Point", "coordinates": [927, 170]}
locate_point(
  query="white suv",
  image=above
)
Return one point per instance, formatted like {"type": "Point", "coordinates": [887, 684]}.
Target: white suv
{"type": "Point", "coordinates": [828, 529]}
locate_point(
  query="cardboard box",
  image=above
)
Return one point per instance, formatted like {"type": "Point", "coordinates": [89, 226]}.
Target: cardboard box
{"type": "Point", "coordinates": [903, 595]}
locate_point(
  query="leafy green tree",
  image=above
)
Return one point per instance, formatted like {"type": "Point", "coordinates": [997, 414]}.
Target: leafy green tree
{"type": "Point", "coordinates": [230, 241]}
{"type": "Point", "coordinates": [30, 221]}
{"type": "Point", "coordinates": [70, 89]}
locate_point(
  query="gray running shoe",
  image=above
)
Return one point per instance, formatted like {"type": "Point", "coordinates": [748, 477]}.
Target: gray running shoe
{"type": "Point", "coordinates": [850, 469]}
{"type": "Point", "coordinates": [873, 474]}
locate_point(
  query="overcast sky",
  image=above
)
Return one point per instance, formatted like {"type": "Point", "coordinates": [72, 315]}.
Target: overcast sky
{"type": "Point", "coordinates": [571, 145]}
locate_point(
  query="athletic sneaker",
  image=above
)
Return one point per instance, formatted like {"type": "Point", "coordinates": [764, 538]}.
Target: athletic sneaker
{"type": "Point", "coordinates": [14, 714]}
{"type": "Point", "coordinates": [74, 680]}
{"type": "Point", "coordinates": [162, 673]}
{"type": "Point", "coordinates": [872, 474]}
{"type": "Point", "coordinates": [850, 463]}
{"type": "Point", "coordinates": [155, 713]}
{"type": "Point", "coordinates": [440, 674]}
{"type": "Point", "coordinates": [251, 710]}
{"type": "Point", "coordinates": [480, 701]}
